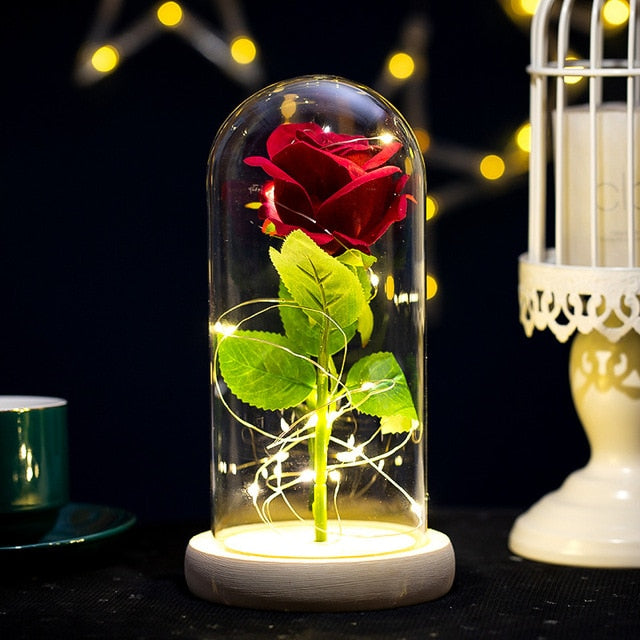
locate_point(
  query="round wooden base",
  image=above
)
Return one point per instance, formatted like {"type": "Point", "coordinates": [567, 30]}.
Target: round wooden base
{"type": "Point", "coordinates": [397, 579]}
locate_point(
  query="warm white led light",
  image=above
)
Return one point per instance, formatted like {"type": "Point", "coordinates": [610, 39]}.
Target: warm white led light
{"type": "Point", "coordinates": [289, 105]}
{"type": "Point", "coordinates": [432, 207]}
{"type": "Point", "coordinates": [389, 287]}
{"type": "Point", "coordinates": [432, 287]}
{"type": "Point", "coordinates": [349, 456]}
{"type": "Point", "coordinates": [224, 328]}
{"type": "Point", "coordinates": [281, 456]}
{"type": "Point", "coordinates": [523, 137]}
{"type": "Point", "coordinates": [253, 490]}
{"type": "Point", "coordinates": [243, 50]}
{"type": "Point", "coordinates": [386, 138]}
{"type": "Point", "coordinates": [105, 58]}
{"type": "Point", "coordinates": [169, 14]}
{"type": "Point", "coordinates": [492, 167]}
{"type": "Point", "coordinates": [423, 138]}
{"type": "Point", "coordinates": [401, 65]}
{"type": "Point", "coordinates": [524, 7]}
{"type": "Point", "coordinates": [615, 13]}
{"type": "Point", "coordinates": [573, 79]}
{"type": "Point", "coordinates": [307, 475]}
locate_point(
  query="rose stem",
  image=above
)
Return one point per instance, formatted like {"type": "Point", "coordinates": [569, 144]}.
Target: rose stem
{"type": "Point", "coordinates": [321, 440]}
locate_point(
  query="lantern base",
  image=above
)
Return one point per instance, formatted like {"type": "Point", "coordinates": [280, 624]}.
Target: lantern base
{"type": "Point", "coordinates": [591, 521]}
{"type": "Point", "coordinates": [325, 583]}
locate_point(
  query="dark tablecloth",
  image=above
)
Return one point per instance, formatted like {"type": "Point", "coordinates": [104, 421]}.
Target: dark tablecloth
{"type": "Point", "coordinates": [134, 588]}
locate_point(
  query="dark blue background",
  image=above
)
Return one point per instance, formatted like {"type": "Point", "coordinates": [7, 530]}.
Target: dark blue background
{"type": "Point", "coordinates": [103, 272]}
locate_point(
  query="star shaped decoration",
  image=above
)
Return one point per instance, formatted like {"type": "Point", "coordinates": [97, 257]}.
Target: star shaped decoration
{"type": "Point", "coordinates": [232, 50]}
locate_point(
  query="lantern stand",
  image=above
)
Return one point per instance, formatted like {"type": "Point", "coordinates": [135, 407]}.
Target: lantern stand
{"type": "Point", "coordinates": [589, 284]}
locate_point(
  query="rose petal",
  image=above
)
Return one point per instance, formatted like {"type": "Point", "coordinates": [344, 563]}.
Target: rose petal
{"type": "Point", "coordinates": [282, 229]}
{"type": "Point", "coordinates": [319, 172]}
{"type": "Point", "coordinates": [359, 157]}
{"type": "Point", "coordinates": [269, 167]}
{"type": "Point", "coordinates": [345, 242]}
{"type": "Point", "coordinates": [361, 205]}
{"type": "Point", "coordinates": [290, 198]}
{"type": "Point", "coordinates": [396, 212]}
{"type": "Point", "coordinates": [286, 134]}
{"type": "Point", "coordinates": [355, 148]}
{"type": "Point", "coordinates": [387, 152]}
{"type": "Point", "coordinates": [337, 143]}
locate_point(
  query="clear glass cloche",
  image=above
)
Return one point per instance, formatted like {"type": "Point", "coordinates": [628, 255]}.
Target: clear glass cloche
{"type": "Point", "coordinates": [316, 195]}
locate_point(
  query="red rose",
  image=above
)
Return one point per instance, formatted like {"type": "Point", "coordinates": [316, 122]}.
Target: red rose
{"type": "Point", "coordinates": [334, 187]}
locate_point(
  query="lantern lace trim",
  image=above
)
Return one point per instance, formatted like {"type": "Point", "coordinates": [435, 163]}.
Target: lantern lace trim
{"type": "Point", "coordinates": [566, 298]}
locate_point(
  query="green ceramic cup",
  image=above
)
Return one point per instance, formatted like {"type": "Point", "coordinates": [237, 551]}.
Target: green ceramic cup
{"type": "Point", "coordinates": [34, 481]}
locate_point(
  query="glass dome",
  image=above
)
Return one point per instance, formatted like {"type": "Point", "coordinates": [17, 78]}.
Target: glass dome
{"type": "Point", "coordinates": [316, 193]}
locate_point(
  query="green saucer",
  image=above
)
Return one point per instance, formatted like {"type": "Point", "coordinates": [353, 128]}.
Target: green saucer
{"type": "Point", "coordinates": [78, 526]}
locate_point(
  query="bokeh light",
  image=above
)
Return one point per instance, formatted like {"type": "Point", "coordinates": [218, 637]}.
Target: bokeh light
{"type": "Point", "coordinates": [432, 287]}
{"type": "Point", "coordinates": [573, 79]}
{"type": "Point", "coordinates": [492, 167]}
{"type": "Point", "coordinates": [243, 50]}
{"type": "Point", "coordinates": [105, 58]}
{"type": "Point", "coordinates": [169, 14]}
{"type": "Point", "coordinates": [389, 287]}
{"type": "Point", "coordinates": [524, 7]}
{"type": "Point", "coordinates": [423, 138]}
{"type": "Point", "coordinates": [401, 65]}
{"type": "Point", "coordinates": [289, 105]}
{"type": "Point", "coordinates": [615, 13]}
{"type": "Point", "coordinates": [432, 207]}
{"type": "Point", "coordinates": [523, 137]}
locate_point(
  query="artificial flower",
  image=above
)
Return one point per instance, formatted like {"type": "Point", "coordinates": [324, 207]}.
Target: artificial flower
{"type": "Point", "coordinates": [339, 189]}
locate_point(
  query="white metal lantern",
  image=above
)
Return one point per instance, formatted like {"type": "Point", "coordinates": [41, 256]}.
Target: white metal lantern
{"type": "Point", "coordinates": [585, 111]}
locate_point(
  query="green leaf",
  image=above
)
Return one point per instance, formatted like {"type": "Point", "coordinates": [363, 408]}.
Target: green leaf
{"type": "Point", "coordinates": [356, 258]}
{"type": "Point", "coordinates": [305, 332]}
{"type": "Point", "coordinates": [396, 424]}
{"type": "Point", "coordinates": [360, 263]}
{"type": "Point", "coordinates": [378, 387]}
{"type": "Point", "coordinates": [318, 281]}
{"type": "Point", "coordinates": [365, 324]}
{"type": "Point", "coordinates": [262, 369]}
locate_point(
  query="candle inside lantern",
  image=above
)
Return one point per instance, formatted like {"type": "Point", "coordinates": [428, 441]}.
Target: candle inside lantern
{"type": "Point", "coordinates": [600, 237]}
